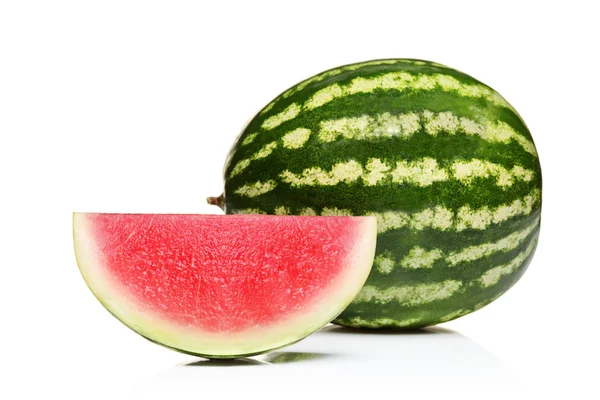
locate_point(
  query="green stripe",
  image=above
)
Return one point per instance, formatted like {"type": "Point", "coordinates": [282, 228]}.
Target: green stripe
{"type": "Point", "coordinates": [513, 145]}
{"type": "Point", "coordinates": [419, 257]}
{"type": "Point", "coordinates": [442, 218]}
{"type": "Point", "coordinates": [378, 322]}
{"type": "Point", "coordinates": [404, 125]}
{"type": "Point", "coordinates": [493, 276]}
{"type": "Point", "coordinates": [409, 295]}
{"type": "Point", "coordinates": [402, 81]}
{"type": "Point", "coordinates": [400, 240]}
{"type": "Point", "coordinates": [499, 165]}
{"type": "Point", "coordinates": [337, 71]}
{"type": "Point", "coordinates": [379, 103]}
{"type": "Point", "coordinates": [505, 244]}
{"type": "Point", "coordinates": [357, 68]}
{"type": "Point", "coordinates": [320, 77]}
{"type": "Point", "coordinates": [397, 129]}
{"type": "Point", "coordinates": [249, 138]}
{"type": "Point", "coordinates": [437, 217]}
{"type": "Point", "coordinates": [291, 140]}
{"type": "Point", "coordinates": [423, 172]}
{"type": "Point", "coordinates": [391, 81]}
{"type": "Point", "coordinates": [262, 153]}
{"type": "Point", "coordinates": [289, 113]}
{"type": "Point", "coordinates": [397, 245]}
{"type": "Point", "coordinates": [256, 188]}
{"type": "Point", "coordinates": [413, 295]}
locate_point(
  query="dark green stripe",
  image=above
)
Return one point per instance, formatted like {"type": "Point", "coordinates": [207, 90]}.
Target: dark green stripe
{"type": "Point", "coordinates": [441, 271]}
{"type": "Point", "coordinates": [444, 149]}
{"type": "Point", "coordinates": [369, 71]}
{"type": "Point", "coordinates": [403, 197]}
{"type": "Point", "coordinates": [430, 313]}
{"type": "Point", "coordinates": [381, 102]}
{"type": "Point", "coordinates": [399, 240]}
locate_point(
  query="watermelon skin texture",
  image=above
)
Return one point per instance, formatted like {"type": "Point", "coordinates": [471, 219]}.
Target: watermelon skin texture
{"type": "Point", "coordinates": [444, 162]}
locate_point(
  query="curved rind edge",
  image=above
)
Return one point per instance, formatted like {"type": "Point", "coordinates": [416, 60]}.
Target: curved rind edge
{"type": "Point", "coordinates": [206, 344]}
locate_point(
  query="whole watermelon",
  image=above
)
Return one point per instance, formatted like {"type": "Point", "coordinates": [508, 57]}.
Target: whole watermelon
{"type": "Point", "coordinates": [443, 161]}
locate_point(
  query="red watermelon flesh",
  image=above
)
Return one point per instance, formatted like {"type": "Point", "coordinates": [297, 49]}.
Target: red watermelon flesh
{"type": "Point", "coordinates": [224, 286]}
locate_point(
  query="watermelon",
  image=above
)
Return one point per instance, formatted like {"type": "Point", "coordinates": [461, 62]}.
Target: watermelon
{"type": "Point", "coordinates": [223, 286]}
{"type": "Point", "coordinates": [445, 164]}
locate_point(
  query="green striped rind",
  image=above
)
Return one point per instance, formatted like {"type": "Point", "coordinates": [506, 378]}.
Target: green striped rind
{"type": "Point", "coordinates": [444, 162]}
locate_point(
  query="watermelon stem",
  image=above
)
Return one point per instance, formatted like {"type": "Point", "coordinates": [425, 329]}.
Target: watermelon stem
{"type": "Point", "coordinates": [217, 201]}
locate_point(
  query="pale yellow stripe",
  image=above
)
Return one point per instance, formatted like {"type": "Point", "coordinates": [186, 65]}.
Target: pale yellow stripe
{"type": "Point", "coordinates": [443, 219]}
{"type": "Point", "coordinates": [328, 74]}
{"type": "Point", "coordinates": [337, 71]}
{"type": "Point", "coordinates": [454, 315]}
{"type": "Point", "coordinates": [347, 172]}
{"type": "Point", "coordinates": [265, 151]}
{"type": "Point", "coordinates": [292, 140]}
{"type": "Point", "coordinates": [281, 210]}
{"type": "Point", "coordinates": [378, 322]}
{"type": "Point", "coordinates": [401, 81]}
{"type": "Point", "coordinates": [491, 131]}
{"type": "Point", "coordinates": [376, 171]}
{"type": "Point", "coordinates": [308, 212]}
{"type": "Point", "coordinates": [256, 188]}
{"type": "Point", "coordinates": [249, 211]}
{"type": "Point", "coordinates": [367, 127]}
{"type": "Point", "coordinates": [409, 295]}
{"type": "Point", "coordinates": [249, 139]}
{"type": "Point", "coordinates": [328, 212]}
{"type": "Point", "coordinates": [289, 113]}
{"type": "Point", "coordinates": [423, 172]}
{"type": "Point", "coordinates": [493, 276]}
{"type": "Point", "coordinates": [467, 171]}
{"type": "Point", "coordinates": [268, 107]}
{"type": "Point", "coordinates": [296, 139]}
{"type": "Point", "coordinates": [384, 263]}
{"type": "Point", "coordinates": [505, 244]}
{"type": "Point", "coordinates": [418, 257]}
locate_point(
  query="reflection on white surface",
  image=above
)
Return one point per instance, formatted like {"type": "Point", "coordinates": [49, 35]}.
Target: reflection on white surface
{"type": "Point", "coordinates": [361, 361]}
{"type": "Point", "coordinates": [276, 357]}
{"type": "Point", "coordinates": [420, 353]}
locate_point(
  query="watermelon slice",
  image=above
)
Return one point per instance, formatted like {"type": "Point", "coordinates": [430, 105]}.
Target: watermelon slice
{"type": "Point", "coordinates": [224, 286]}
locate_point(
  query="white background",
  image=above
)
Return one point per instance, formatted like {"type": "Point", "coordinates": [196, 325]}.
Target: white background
{"type": "Point", "coordinates": [130, 106]}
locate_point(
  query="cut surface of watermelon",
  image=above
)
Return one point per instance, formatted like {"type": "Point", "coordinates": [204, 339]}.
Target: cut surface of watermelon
{"type": "Point", "coordinates": [224, 286]}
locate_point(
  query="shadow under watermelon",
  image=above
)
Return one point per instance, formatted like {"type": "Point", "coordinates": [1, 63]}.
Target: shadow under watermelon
{"type": "Point", "coordinates": [277, 357]}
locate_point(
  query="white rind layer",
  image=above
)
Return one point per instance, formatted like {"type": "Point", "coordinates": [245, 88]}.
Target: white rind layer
{"type": "Point", "coordinates": [224, 345]}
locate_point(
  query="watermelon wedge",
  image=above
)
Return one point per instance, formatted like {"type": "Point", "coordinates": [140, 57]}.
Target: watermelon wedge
{"type": "Point", "coordinates": [224, 286]}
